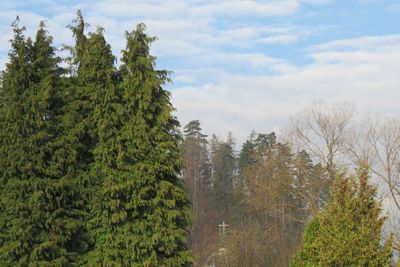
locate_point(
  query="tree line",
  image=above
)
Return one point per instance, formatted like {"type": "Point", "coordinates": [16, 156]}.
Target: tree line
{"type": "Point", "coordinates": [89, 155]}
{"type": "Point", "coordinates": [95, 170]}
{"type": "Point", "coordinates": [306, 198]}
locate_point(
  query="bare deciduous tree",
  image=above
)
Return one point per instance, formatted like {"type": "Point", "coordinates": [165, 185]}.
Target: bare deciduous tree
{"type": "Point", "coordinates": [377, 141]}
{"type": "Point", "coordinates": [323, 130]}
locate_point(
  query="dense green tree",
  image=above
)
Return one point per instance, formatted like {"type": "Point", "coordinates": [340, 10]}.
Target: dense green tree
{"type": "Point", "coordinates": [246, 155]}
{"type": "Point", "coordinates": [254, 144]}
{"type": "Point", "coordinates": [78, 28]}
{"type": "Point", "coordinates": [39, 205]}
{"type": "Point", "coordinates": [144, 216]}
{"type": "Point", "coordinates": [82, 91]}
{"type": "Point", "coordinates": [348, 231]}
{"type": "Point", "coordinates": [223, 164]}
{"type": "Point", "coordinates": [15, 85]}
{"type": "Point", "coordinates": [97, 76]}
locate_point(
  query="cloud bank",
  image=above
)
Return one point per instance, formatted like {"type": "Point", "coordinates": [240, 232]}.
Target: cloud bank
{"type": "Point", "coordinates": [239, 65]}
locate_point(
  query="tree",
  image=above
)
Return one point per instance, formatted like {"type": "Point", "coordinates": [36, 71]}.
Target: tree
{"type": "Point", "coordinates": [348, 231]}
{"type": "Point", "coordinates": [99, 126]}
{"type": "Point", "coordinates": [323, 131]}
{"type": "Point", "coordinates": [377, 141]}
{"type": "Point", "coordinates": [78, 30]}
{"type": "Point", "coordinates": [223, 170]}
{"type": "Point", "coordinates": [145, 214]}
{"type": "Point", "coordinates": [196, 171]}
{"type": "Point", "coordinates": [278, 192]}
{"type": "Point", "coordinates": [196, 174]}
{"type": "Point", "coordinates": [310, 186]}
{"type": "Point", "coordinates": [39, 205]}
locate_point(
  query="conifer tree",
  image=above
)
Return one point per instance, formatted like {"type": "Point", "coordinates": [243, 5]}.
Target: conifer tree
{"type": "Point", "coordinates": [196, 171]}
{"type": "Point", "coordinates": [80, 103]}
{"type": "Point", "coordinates": [39, 210]}
{"type": "Point", "coordinates": [348, 231]}
{"type": "Point", "coordinates": [78, 30]}
{"type": "Point", "coordinates": [196, 174]}
{"type": "Point", "coordinates": [97, 81]}
{"type": "Point", "coordinates": [144, 216]}
{"type": "Point", "coordinates": [15, 86]}
{"type": "Point", "coordinates": [223, 170]}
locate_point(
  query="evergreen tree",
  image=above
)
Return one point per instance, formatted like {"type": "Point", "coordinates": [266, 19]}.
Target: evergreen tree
{"type": "Point", "coordinates": [196, 171]}
{"type": "Point", "coordinates": [196, 174]}
{"type": "Point", "coordinates": [15, 84]}
{"type": "Point", "coordinates": [98, 83]}
{"type": "Point", "coordinates": [78, 30]}
{"type": "Point", "coordinates": [39, 206]}
{"type": "Point", "coordinates": [348, 231]}
{"type": "Point", "coordinates": [246, 155]}
{"type": "Point", "coordinates": [254, 144]}
{"type": "Point", "coordinates": [145, 213]}
{"type": "Point", "coordinates": [310, 184]}
{"type": "Point", "coordinates": [223, 171]}
{"type": "Point", "coordinates": [81, 98]}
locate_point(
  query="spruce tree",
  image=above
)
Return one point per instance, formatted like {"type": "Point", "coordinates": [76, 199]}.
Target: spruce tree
{"type": "Point", "coordinates": [39, 209]}
{"type": "Point", "coordinates": [348, 231]}
{"type": "Point", "coordinates": [143, 220]}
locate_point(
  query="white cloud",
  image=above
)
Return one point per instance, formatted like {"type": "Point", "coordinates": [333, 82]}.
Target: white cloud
{"type": "Point", "coordinates": [367, 76]}
{"type": "Point", "coordinates": [178, 8]}
{"type": "Point", "coordinates": [363, 43]}
{"type": "Point", "coordinates": [213, 41]}
{"type": "Point", "coordinates": [317, 2]}
{"type": "Point", "coordinates": [280, 39]}
{"type": "Point", "coordinates": [257, 8]}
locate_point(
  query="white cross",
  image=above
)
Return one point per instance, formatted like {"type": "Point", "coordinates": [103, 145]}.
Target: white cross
{"type": "Point", "coordinates": [224, 226]}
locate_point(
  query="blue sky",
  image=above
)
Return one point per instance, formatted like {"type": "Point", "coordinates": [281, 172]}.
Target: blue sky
{"type": "Point", "coordinates": [243, 65]}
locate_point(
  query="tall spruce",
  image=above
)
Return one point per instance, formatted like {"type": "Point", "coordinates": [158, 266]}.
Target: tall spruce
{"type": "Point", "coordinates": [348, 231]}
{"type": "Point", "coordinates": [145, 217]}
{"type": "Point", "coordinates": [39, 206]}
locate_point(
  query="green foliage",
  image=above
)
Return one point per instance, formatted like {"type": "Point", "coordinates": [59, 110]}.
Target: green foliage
{"type": "Point", "coordinates": [142, 214]}
{"type": "Point", "coordinates": [94, 145]}
{"type": "Point", "coordinates": [348, 231]}
{"type": "Point", "coordinates": [39, 204]}
{"type": "Point", "coordinates": [223, 168]}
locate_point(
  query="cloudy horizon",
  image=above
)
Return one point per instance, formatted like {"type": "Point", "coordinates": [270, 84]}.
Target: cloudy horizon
{"type": "Point", "coordinates": [246, 65]}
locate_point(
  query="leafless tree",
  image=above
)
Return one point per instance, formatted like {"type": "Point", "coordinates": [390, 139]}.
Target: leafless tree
{"type": "Point", "coordinates": [377, 141]}
{"type": "Point", "coordinates": [323, 130]}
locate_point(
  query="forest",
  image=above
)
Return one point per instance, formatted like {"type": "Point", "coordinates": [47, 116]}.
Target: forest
{"type": "Point", "coordinates": [96, 170]}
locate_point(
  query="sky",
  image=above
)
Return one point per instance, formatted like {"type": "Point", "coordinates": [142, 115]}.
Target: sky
{"type": "Point", "coordinates": [246, 65]}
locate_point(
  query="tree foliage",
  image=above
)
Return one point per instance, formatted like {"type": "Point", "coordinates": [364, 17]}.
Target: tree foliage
{"type": "Point", "coordinates": [143, 213]}
{"type": "Point", "coordinates": [348, 231]}
{"type": "Point", "coordinates": [90, 158]}
{"type": "Point", "coordinates": [39, 205]}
